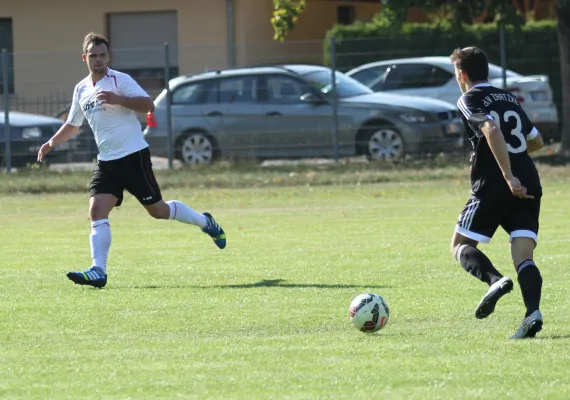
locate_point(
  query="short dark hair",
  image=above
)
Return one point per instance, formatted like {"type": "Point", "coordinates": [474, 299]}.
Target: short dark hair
{"type": "Point", "coordinates": [94, 38]}
{"type": "Point", "coordinates": [473, 61]}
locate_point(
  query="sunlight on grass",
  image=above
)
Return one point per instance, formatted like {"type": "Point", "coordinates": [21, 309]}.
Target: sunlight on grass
{"type": "Point", "coordinates": [268, 316]}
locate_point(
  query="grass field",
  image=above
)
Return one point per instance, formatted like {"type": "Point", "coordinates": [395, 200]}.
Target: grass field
{"type": "Point", "coordinates": [268, 316]}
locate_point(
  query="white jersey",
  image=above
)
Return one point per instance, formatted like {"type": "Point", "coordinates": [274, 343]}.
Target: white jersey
{"type": "Point", "coordinates": [117, 129]}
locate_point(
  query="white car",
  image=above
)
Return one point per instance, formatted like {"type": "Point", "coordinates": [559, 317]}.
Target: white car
{"type": "Point", "coordinates": [434, 77]}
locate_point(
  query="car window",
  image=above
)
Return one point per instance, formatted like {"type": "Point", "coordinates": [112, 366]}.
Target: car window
{"type": "Point", "coordinates": [284, 90]}
{"type": "Point", "coordinates": [413, 76]}
{"type": "Point", "coordinates": [187, 94]}
{"type": "Point", "coordinates": [345, 85]}
{"type": "Point", "coordinates": [241, 89]}
{"type": "Point", "coordinates": [370, 76]}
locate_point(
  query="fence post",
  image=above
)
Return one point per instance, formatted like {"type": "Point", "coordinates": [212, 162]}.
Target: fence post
{"type": "Point", "coordinates": [334, 98]}
{"type": "Point", "coordinates": [503, 51]}
{"type": "Point", "coordinates": [168, 109]}
{"type": "Point", "coordinates": [230, 33]}
{"type": "Point", "coordinates": [6, 101]}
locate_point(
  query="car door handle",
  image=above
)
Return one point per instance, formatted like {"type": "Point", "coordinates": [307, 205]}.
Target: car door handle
{"type": "Point", "coordinates": [214, 114]}
{"type": "Point", "coordinates": [273, 114]}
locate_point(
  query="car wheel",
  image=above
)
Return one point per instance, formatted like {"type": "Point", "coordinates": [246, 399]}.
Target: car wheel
{"type": "Point", "coordinates": [385, 144]}
{"type": "Point", "coordinates": [196, 148]}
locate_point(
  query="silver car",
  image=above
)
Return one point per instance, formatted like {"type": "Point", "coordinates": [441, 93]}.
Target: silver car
{"type": "Point", "coordinates": [434, 77]}
{"type": "Point", "coordinates": [287, 112]}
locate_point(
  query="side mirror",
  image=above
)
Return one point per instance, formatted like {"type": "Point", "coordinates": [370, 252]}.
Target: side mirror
{"type": "Point", "coordinates": [312, 98]}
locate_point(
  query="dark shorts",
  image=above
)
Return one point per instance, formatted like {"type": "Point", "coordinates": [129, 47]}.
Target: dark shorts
{"type": "Point", "coordinates": [482, 216]}
{"type": "Point", "coordinates": [132, 173]}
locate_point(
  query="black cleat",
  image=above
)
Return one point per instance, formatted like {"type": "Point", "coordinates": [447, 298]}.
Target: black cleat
{"type": "Point", "coordinates": [497, 290]}
{"type": "Point", "coordinates": [530, 326]}
{"type": "Point", "coordinates": [92, 277]}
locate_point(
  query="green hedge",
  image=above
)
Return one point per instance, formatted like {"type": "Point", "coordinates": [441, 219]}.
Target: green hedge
{"type": "Point", "coordinates": [531, 50]}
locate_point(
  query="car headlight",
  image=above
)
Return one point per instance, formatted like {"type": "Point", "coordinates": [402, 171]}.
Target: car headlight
{"type": "Point", "coordinates": [32, 133]}
{"type": "Point", "coordinates": [413, 118]}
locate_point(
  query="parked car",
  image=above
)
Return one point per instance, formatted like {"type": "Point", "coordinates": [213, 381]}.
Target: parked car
{"type": "Point", "coordinates": [435, 77]}
{"type": "Point", "coordinates": [286, 112]}
{"type": "Point", "coordinates": [27, 133]}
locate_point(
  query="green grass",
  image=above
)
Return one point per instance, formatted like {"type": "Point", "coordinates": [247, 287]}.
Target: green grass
{"type": "Point", "coordinates": [268, 317]}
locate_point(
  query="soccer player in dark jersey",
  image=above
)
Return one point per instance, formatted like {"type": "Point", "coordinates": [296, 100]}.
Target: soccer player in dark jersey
{"type": "Point", "coordinates": [505, 188]}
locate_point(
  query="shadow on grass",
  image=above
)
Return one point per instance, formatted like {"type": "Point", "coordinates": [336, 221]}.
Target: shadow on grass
{"type": "Point", "coordinates": [552, 337]}
{"type": "Point", "coordinates": [262, 283]}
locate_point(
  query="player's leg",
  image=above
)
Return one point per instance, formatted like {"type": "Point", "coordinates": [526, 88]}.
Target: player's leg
{"type": "Point", "coordinates": [477, 223]}
{"type": "Point", "coordinates": [143, 185]}
{"type": "Point", "coordinates": [105, 192]}
{"type": "Point", "coordinates": [523, 229]}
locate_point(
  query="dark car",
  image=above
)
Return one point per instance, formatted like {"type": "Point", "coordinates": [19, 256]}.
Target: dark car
{"type": "Point", "coordinates": [27, 133]}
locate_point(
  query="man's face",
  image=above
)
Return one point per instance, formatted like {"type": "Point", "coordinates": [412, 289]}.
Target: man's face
{"type": "Point", "coordinates": [460, 78]}
{"type": "Point", "coordinates": [97, 58]}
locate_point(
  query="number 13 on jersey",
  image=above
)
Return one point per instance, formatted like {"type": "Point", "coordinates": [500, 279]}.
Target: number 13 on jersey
{"type": "Point", "coordinates": [515, 132]}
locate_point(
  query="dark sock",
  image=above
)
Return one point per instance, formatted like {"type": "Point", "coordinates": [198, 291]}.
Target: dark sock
{"type": "Point", "coordinates": [477, 264]}
{"type": "Point", "coordinates": [530, 282]}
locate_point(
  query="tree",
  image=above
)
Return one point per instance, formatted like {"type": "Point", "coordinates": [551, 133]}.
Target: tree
{"type": "Point", "coordinates": [563, 16]}
{"type": "Point", "coordinates": [285, 15]}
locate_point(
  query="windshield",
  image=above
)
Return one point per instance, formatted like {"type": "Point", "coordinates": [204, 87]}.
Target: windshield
{"type": "Point", "coordinates": [345, 85]}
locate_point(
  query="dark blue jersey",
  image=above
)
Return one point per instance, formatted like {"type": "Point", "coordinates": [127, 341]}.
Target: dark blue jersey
{"type": "Point", "coordinates": [485, 102]}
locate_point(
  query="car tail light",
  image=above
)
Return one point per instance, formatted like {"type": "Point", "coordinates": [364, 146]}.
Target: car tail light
{"type": "Point", "coordinates": [516, 92]}
{"type": "Point", "coordinates": [151, 120]}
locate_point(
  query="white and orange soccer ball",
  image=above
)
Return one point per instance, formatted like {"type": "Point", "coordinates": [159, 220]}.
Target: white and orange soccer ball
{"type": "Point", "coordinates": [369, 312]}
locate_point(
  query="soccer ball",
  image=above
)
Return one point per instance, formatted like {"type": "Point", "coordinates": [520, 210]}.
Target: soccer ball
{"type": "Point", "coordinates": [369, 312]}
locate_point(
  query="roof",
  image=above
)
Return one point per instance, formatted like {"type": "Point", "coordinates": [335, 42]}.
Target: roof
{"type": "Point", "coordinates": [300, 69]}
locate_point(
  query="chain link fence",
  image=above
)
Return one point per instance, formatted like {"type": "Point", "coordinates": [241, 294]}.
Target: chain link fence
{"type": "Point", "coordinates": [273, 101]}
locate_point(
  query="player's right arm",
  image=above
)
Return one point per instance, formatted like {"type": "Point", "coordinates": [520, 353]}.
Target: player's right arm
{"type": "Point", "coordinates": [68, 130]}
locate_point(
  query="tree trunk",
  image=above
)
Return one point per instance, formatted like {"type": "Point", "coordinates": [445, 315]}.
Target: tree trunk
{"type": "Point", "coordinates": [563, 16]}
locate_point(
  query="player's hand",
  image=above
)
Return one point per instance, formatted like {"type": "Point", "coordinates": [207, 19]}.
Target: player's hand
{"type": "Point", "coordinates": [109, 97]}
{"type": "Point", "coordinates": [517, 189]}
{"type": "Point", "coordinates": [46, 148]}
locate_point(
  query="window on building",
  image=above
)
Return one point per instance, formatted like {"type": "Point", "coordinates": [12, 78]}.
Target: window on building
{"type": "Point", "coordinates": [346, 15]}
{"type": "Point", "coordinates": [7, 43]}
{"type": "Point", "coordinates": [137, 46]}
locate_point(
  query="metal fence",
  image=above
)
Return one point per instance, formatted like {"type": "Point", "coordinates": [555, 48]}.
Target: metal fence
{"type": "Point", "coordinates": [271, 117]}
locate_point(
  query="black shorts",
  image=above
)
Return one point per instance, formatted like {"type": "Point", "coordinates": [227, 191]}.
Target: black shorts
{"type": "Point", "coordinates": [132, 173]}
{"type": "Point", "coordinates": [483, 215]}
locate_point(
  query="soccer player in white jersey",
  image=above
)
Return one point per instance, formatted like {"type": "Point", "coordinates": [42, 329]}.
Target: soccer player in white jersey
{"type": "Point", "coordinates": [109, 100]}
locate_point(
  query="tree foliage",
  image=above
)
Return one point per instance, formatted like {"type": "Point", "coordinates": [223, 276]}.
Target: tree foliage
{"type": "Point", "coordinates": [285, 15]}
{"type": "Point", "coordinates": [457, 13]}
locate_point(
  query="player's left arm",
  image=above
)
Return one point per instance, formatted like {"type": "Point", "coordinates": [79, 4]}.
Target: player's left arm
{"type": "Point", "coordinates": [138, 104]}
{"type": "Point", "coordinates": [534, 140]}
{"type": "Point", "coordinates": [129, 95]}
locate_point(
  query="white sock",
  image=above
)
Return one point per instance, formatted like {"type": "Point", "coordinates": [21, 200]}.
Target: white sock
{"type": "Point", "coordinates": [100, 240]}
{"type": "Point", "coordinates": [181, 212]}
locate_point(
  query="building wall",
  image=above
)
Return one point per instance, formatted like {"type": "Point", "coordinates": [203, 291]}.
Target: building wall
{"type": "Point", "coordinates": [48, 50]}
{"type": "Point", "coordinates": [48, 37]}
{"type": "Point", "coordinates": [254, 32]}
